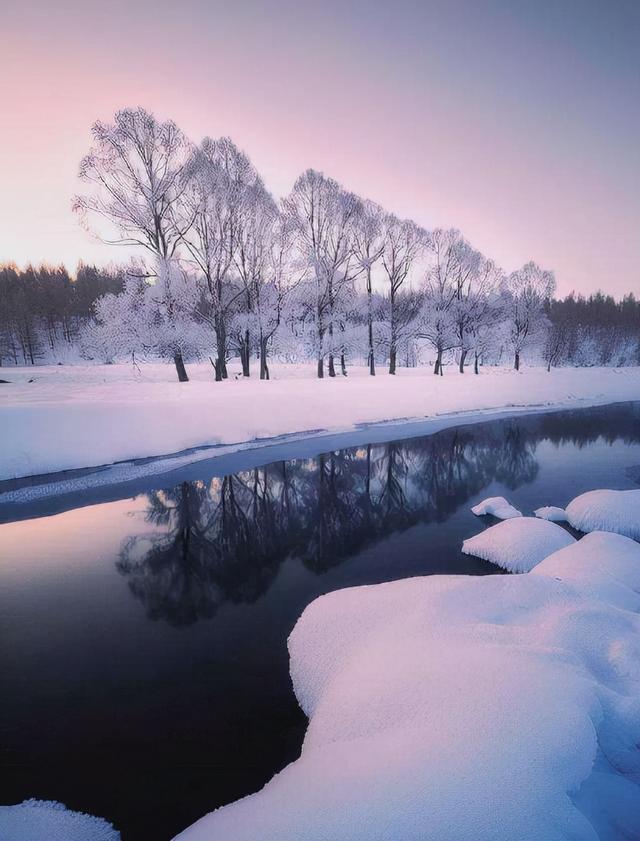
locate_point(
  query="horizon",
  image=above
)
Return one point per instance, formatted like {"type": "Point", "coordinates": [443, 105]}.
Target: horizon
{"type": "Point", "coordinates": [516, 125]}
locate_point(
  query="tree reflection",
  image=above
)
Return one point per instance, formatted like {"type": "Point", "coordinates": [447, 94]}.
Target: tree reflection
{"type": "Point", "coordinates": [225, 539]}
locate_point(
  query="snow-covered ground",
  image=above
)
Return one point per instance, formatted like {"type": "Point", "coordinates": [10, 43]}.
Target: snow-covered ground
{"type": "Point", "coordinates": [445, 708]}
{"type": "Point", "coordinates": [48, 820]}
{"type": "Point", "coordinates": [54, 418]}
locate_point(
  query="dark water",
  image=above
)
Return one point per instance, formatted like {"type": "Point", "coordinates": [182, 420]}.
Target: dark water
{"type": "Point", "coordinates": [143, 641]}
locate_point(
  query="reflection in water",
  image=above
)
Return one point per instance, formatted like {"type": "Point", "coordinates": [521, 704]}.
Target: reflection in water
{"type": "Point", "coordinates": [225, 539]}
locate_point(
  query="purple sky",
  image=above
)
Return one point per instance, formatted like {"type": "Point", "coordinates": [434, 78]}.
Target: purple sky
{"type": "Point", "coordinates": [517, 122]}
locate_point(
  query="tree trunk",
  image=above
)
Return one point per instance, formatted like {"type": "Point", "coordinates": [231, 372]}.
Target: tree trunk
{"type": "Point", "coordinates": [264, 368]}
{"type": "Point", "coordinates": [320, 344]}
{"type": "Point", "coordinates": [438, 366]}
{"type": "Point", "coordinates": [343, 365]}
{"type": "Point", "coordinates": [475, 364]}
{"type": "Point", "coordinates": [221, 348]}
{"type": "Point", "coordinates": [392, 359]}
{"type": "Point", "coordinates": [331, 366]}
{"type": "Point", "coordinates": [180, 369]}
{"type": "Point", "coordinates": [516, 363]}
{"type": "Point", "coordinates": [463, 356]}
{"type": "Point", "coordinates": [392, 324]}
{"type": "Point", "coordinates": [245, 354]}
{"type": "Point", "coordinates": [372, 361]}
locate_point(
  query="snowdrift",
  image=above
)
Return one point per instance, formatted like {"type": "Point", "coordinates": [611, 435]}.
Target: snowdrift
{"type": "Point", "coordinates": [552, 513]}
{"type": "Point", "coordinates": [517, 545]}
{"type": "Point", "coordinates": [446, 708]}
{"type": "Point", "coordinates": [497, 506]}
{"type": "Point", "coordinates": [48, 820]}
{"type": "Point", "coordinates": [604, 510]}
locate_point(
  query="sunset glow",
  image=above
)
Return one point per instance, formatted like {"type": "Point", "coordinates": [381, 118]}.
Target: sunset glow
{"type": "Point", "coordinates": [520, 128]}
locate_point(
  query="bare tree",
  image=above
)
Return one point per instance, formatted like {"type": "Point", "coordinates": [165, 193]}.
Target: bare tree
{"type": "Point", "coordinates": [476, 303]}
{"type": "Point", "coordinates": [256, 230]}
{"type": "Point", "coordinates": [135, 168]}
{"type": "Point", "coordinates": [403, 242]}
{"type": "Point", "coordinates": [450, 262]}
{"type": "Point", "coordinates": [323, 216]}
{"type": "Point", "coordinates": [217, 180]}
{"type": "Point", "coordinates": [368, 247]}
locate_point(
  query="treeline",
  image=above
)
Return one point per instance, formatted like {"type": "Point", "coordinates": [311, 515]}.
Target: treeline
{"type": "Point", "coordinates": [597, 330]}
{"type": "Point", "coordinates": [226, 271]}
{"type": "Point", "coordinates": [45, 311]}
{"type": "Point", "coordinates": [43, 307]}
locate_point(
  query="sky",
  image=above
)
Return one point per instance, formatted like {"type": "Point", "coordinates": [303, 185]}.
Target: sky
{"type": "Point", "coordinates": [516, 122]}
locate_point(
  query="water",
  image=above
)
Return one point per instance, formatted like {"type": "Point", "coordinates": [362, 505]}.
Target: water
{"type": "Point", "coordinates": [143, 641]}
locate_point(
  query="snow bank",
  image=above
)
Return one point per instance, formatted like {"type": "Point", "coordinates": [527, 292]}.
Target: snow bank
{"type": "Point", "coordinates": [603, 510]}
{"type": "Point", "coordinates": [601, 565]}
{"type": "Point", "coordinates": [498, 507]}
{"type": "Point", "coordinates": [446, 708]}
{"type": "Point", "coordinates": [552, 513]}
{"type": "Point", "coordinates": [519, 544]}
{"type": "Point", "coordinates": [83, 416]}
{"type": "Point", "coordinates": [48, 820]}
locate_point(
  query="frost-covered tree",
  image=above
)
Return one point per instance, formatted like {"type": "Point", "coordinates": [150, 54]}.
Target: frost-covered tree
{"type": "Point", "coordinates": [256, 235]}
{"type": "Point", "coordinates": [273, 291]}
{"type": "Point", "coordinates": [135, 170]}
{"type": "Point", "coordinates": [323, 216]}
{"type": "Point", "coordinates": [451, 260]}
{"type": "Point", "coordinates": [368, 247]}
{"type": "Point", "coordinates": [527, 291]}
{"type": "Point", "coordinates": [403, 241]}
{"type": "Point", "coordinates": [477, 304]}
{"type": "Point", "coordinates": [154, 314]}
{"type": "Point", "coordinates": [217, 181]}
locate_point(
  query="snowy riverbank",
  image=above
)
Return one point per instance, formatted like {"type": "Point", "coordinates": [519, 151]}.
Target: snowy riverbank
{"type": "Point", "coordinates": [56, 418]}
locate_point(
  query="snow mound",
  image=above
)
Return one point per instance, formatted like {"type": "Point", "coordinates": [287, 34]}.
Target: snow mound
{"type": "Point", "coordinates": [604, 510]}
{"type": "Point", "coordinates": [48, 820]}
{"type": "Point", "coordinates": [445, 708]}
{"type": "Point", "coordinates": [518, 545]}
{"type": "Point", "coordinates": [552, 513]}
{"type": "Point", "coordinates": [498, 507]}
{"type": "Point", "coordinates": [600, 565]}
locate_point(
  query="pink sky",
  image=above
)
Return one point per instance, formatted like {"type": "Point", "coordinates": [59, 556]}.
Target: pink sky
{"type": "Point", "coordinates": [521, 129]}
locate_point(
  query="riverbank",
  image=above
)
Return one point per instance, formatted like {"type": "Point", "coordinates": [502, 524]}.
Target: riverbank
{"type": "Point", "coordinates": [60, 418]}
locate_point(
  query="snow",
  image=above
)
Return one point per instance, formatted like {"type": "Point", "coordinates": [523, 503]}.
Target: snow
{"type": "Point", "coordinates": [600, 565]}
{"type": "Point", "coordinates": [552, 513]}
{"type": "Point", "coordinates": [84, 416]}
{"type": "Point", "coordinates": [498, 507]}
{"type": "Point", "coordinates": [48, 820]}
{"type": "Point", "coordinates": [454, 707]}
{"type": "Point", "coordinates": [606, 510]}
{"type": "Point", "coordinates": [517, 545]}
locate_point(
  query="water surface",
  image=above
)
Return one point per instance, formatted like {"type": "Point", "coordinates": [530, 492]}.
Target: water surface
{"type": "Point", "coordinates": [143, 640]}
